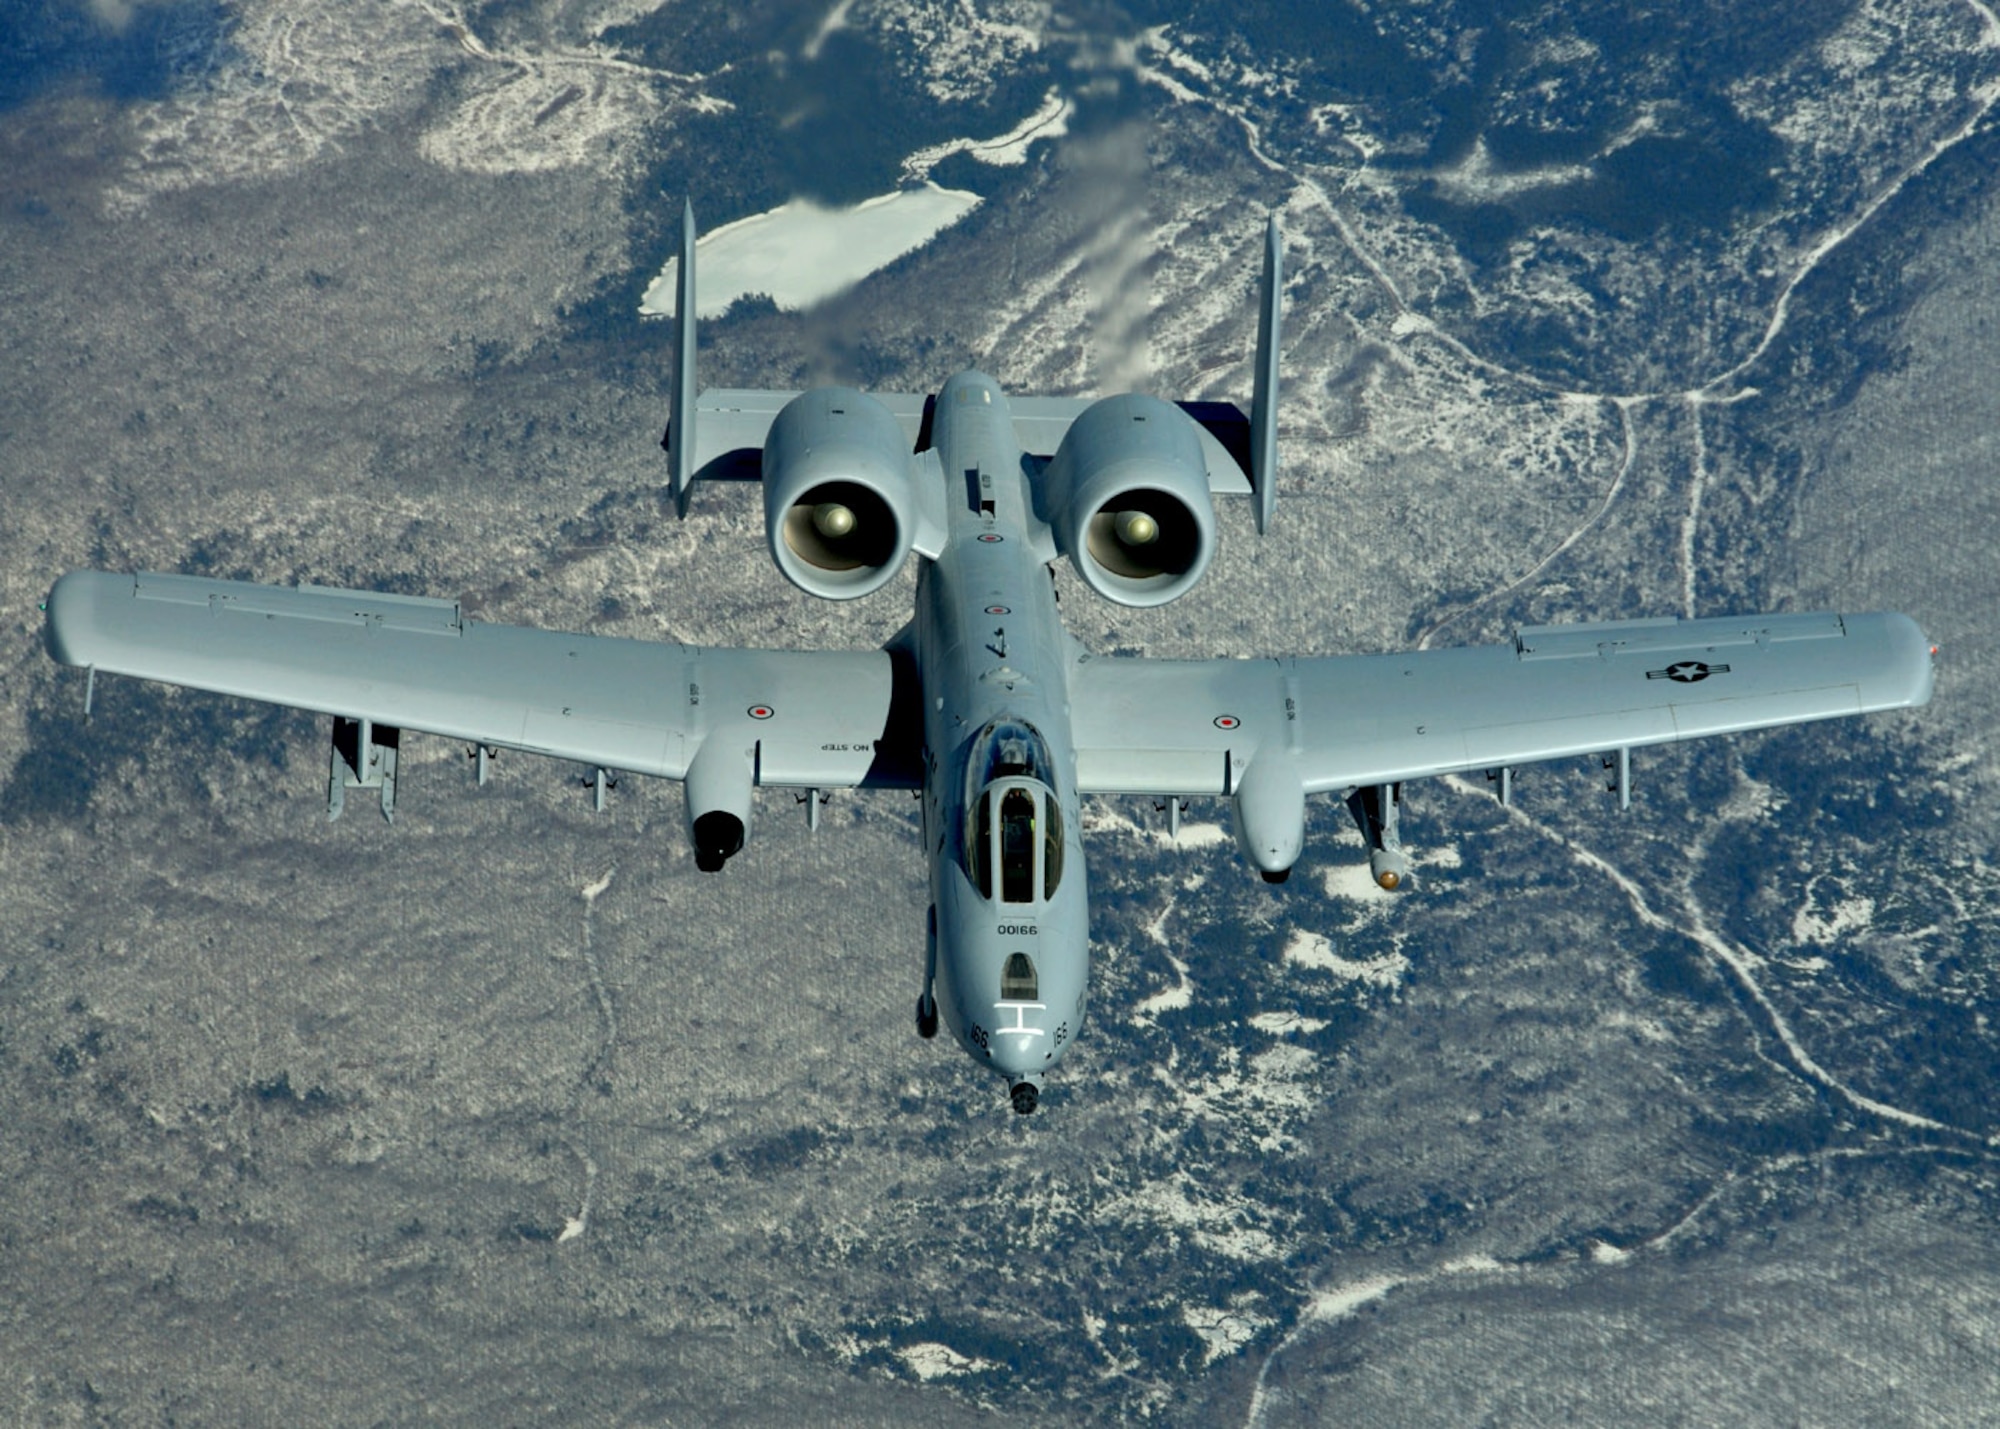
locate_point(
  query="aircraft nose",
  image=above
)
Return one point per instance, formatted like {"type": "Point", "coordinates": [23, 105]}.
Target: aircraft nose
{"type": "Point", "coordinates": [1019, 1044]}
{"type": "Point", "coordinates": [1017, 1056]}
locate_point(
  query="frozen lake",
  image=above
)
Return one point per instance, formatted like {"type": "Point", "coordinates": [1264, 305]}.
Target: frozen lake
{"type": "Point", "coordinates": [801, 252]}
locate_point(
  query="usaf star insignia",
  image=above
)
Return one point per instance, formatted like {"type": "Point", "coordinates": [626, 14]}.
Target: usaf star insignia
{"type": "Point", "coordinates": [1687, 672]}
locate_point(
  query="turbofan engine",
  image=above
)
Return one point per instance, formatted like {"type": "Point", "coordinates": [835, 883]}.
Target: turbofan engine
{"type": "Point", "coordinates": [838, 493]}
{"type": "Point", "coordinates": [1128, 499]}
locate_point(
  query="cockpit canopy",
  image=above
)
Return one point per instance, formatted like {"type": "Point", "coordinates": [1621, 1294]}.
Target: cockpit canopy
{"type": "Point", "coordinates": [1014, 835]}
{"type": "Point", "coordinates": [1007, 747]}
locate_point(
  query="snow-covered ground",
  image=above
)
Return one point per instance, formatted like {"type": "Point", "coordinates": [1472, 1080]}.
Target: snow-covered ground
{"type": "Point", "coordinates": [1051, 121]}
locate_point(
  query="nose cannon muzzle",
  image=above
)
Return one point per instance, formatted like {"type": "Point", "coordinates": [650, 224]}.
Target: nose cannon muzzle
{"type": "Point", "coordinates": [1026, 1092]}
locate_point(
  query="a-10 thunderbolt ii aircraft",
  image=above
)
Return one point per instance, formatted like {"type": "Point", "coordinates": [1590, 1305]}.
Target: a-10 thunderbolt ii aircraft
{"type": "Point", "coordinates": [983, 704]}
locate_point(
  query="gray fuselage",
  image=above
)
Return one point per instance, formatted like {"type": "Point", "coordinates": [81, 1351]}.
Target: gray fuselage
{"type": "Point", "coordinates": [1010, 945]}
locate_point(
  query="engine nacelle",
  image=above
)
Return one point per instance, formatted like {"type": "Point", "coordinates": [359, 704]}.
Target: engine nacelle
{"type": "Point", "coordinates": [839, 493]}
{"type": "Point", "coordinates": [1128, 499]}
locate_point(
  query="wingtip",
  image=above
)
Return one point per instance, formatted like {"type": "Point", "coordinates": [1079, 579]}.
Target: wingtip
{"type": "Point", "coordinates": [1914, 660]}
{"type": "Point", "coordinates": [65, 617]}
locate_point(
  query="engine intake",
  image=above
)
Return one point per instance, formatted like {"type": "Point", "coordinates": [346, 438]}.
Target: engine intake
{"type": "Point", "coordinates": [1128, 498]}
{"type": "Point", "coordinates": [839, 494]}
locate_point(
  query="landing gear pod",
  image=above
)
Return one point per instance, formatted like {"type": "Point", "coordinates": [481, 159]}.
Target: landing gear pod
{"type": "Point", "coordinates": [1129, 500]}
{"type": "Point", "coordinates": [839, 495]}
{"type": "Point", "coordinates": [1271, 814]}
{"type": "Point", "coordinates": [720, 790]}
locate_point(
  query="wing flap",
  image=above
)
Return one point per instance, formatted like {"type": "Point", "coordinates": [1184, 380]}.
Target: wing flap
{"type": "Point", "coordinates": [1166, 726]}
{"type": "Point", "coordinates": [1153, 771]}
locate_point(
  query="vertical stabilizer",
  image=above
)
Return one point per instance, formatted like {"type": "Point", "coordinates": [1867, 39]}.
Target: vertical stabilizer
{"type": "Point", "coordinates": [680, 430]}
{"type": "Point", "coordinates": [1264, 398]}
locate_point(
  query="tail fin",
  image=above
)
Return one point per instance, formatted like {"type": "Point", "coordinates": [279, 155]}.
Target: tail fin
{"type": "Point", "coordinates": [1264, 399]}
{"type": "Point", "coordinates": [679, 440]}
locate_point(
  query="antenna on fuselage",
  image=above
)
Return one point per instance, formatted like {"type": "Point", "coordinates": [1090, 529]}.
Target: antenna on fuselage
{"type": "Point", "coordinates": [679, 438]}
{"type": "Point", "coordinates": [1264, 397]}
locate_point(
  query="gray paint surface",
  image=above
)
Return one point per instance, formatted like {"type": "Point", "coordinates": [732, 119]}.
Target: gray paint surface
{"type": "Point", "coordinates": [989, 649]}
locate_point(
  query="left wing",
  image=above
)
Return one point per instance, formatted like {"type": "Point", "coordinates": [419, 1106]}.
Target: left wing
{"type": "Point", "coordinates": [828, 719]}
{"type": "Point", "coordinates": [1198, 726]}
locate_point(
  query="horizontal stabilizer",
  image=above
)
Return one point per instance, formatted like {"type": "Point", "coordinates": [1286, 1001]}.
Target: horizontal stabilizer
{"type": "Point", "coordinates": [731, 425]}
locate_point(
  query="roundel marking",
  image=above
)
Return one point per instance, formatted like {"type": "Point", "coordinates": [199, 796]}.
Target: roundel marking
{"type": "Point", "coordinates": [998, 610]}
{"type": "Point", "coordinates": [1228, 722]}
{"type": "Point", "coordinates": [991, 539]}
{"type": "Point", "coordinates": [1688, 672]}
{"type": "Point", "coordinates": [761, 711]}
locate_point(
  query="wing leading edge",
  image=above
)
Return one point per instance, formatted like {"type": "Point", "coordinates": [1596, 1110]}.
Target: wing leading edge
{"type": "Point", "coordinates": [1195, 727]}
{"type": "Point", "coordinates": [827, 719]}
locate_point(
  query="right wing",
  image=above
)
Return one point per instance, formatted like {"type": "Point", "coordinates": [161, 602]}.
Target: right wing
{"type": "Point", "coordinates": [827, 719]}
{"type": "Point", "coordinates": [1346, 721]}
